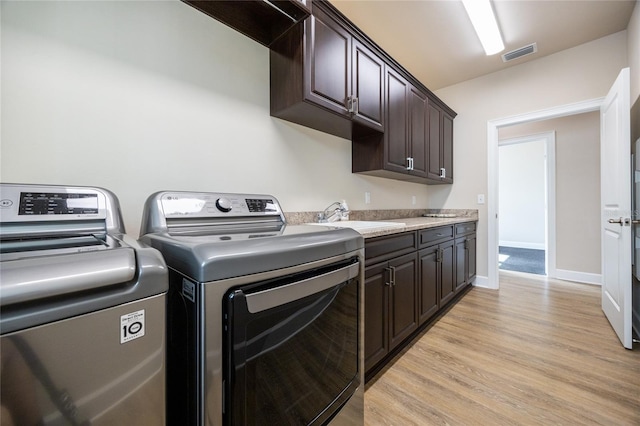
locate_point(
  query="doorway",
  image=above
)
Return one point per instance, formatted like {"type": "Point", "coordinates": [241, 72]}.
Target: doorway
{"type": "Point", "coordinates": [493, 161]}
{"type": "Point", "coordinates": [526, 185]}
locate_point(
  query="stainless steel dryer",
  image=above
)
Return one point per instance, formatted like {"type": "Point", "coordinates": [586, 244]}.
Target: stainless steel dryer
{"type": "Point", "coordinates": [264, 319]}
{"type": "Point", "coordinates": [82, 312]}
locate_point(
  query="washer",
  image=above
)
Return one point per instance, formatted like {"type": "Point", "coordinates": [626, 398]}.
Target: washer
{"type": "Point", "coordinates": [82, 312]}
{"type": "Point", "coordinates": [264, 318]}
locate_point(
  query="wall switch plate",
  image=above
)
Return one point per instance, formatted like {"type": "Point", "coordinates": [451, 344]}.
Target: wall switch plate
{"type": "Point", "coordinates": [367, 197]}
{"type": "Point", "coordinates": [480, 198]}
{"type": "Point", "coordinates": [413, 200]}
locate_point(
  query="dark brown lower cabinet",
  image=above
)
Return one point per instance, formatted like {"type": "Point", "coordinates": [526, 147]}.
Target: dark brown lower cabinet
{"type": "Point", "coordinates": [437, 278]}
{"type": "Point", "coordinates": [428, 289]}
{"type": "Point", "coordinates": [404, 290]}
{"type": "Point", "coordinates": [390, 305]}
{"type": "Point", "coordinates": [465, 254]}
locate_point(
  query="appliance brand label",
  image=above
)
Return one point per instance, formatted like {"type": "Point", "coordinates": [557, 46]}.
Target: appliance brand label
{"type": "Point", "coordinates": [188, 289]}
{"type": "Point", "coordinates": [131, 326]}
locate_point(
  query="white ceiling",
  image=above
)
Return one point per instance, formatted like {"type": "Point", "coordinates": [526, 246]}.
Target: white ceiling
{"type": "Point", "coordinates": [434, 39]}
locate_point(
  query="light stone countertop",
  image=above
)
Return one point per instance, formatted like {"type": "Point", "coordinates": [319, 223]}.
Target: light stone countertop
{"type": "Point", "coordinates": [412, 219]}
{"type": "Point", "coordinates": [413, 224]}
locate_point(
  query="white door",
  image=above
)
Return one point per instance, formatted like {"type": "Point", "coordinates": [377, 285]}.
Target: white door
{"type": "Point", "coordinates": [615, 169]}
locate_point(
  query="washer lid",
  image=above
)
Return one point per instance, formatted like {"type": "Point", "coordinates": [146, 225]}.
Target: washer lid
{"type": "Point", "coordinates": [33, 278]}
{"type": "Point", "coordinates": [215, 256]}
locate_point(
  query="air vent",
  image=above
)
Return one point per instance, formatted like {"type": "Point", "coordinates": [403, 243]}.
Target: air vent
{"type": "Point", "coordinates": [519, 53]}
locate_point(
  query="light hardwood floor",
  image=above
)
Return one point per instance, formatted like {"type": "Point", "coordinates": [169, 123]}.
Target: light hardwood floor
{"type": "Point", "coordinates": [536, 352]}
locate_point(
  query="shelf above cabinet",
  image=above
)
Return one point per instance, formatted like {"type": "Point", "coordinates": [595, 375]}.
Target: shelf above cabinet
{"type": "Point", "coordinates": [262, 20]}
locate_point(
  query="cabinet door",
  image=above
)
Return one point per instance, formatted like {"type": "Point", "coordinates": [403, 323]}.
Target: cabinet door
{"type": "Point", "coordinates": [434, 164]}
{"type": "Point", "coordinates": [471, 257]}
{"type": "Point", "coordinates": [368, 87]}
{"type": "Point", "coordinates": [418, 132]}
{"type": "Point", "coordinates": [461, 263]}
{"type": "Point", "coordinates": [376, 317]}
{"type": "Point", "coordinates": [447, 272]}
{"type": "Point", "coordinates": [395, 143]}
{"type": "Point", "coordinates": [328, 63]}
{"type": "Point", "coordinates": [403, 298]}
{"type": "Point", "coordinates": [446, 148]}
{"type": "Point", "coordinates": [429, 278]}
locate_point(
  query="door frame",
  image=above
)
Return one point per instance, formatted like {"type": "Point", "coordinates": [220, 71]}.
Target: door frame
{"type": "Point", "coordinates": [549, 139]}
{"type": "Point", "coordinates": [492, 162]}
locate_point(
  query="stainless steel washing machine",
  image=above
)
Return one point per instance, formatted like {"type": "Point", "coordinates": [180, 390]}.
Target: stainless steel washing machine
{"type": "Point", "coordinates": [82, 312]}
{"type": "Point", "coordinates": [264, 318]}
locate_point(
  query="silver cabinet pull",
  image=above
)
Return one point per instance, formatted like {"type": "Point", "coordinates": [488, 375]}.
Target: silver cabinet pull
{"type": "Point", "coordinates": [409, 163]}
{"type": "Point", "coordinates": [352, 104]}
{"type": "Point", "coordinates": [389, 282]}
{"type": "Point", "coordinates": [443, 173]}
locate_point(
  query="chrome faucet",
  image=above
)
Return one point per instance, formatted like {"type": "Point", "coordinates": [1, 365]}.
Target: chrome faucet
{"type": "Point", "coordinates": [340, 212]}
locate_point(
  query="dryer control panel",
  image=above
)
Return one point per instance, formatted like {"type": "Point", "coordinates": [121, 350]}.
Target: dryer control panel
{"type": "Point", "coordinates": [199, 204]}
{"type": "Point", "coordinates": [184, 209]}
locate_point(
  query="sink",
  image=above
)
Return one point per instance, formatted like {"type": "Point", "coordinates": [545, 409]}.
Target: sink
{"type": "Point", "coordinates": [363, 225]}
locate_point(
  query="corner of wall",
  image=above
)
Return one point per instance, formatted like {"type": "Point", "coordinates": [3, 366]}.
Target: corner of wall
{"type": "Point", "coordinates": [633, 49]}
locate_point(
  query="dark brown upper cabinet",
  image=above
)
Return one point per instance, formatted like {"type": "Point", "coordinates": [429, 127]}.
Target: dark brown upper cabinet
{"type": "Point", "coordinates": [396, 149]}
{"type": "Point", "coordinates": [368, 87]}
{"type": "Point", "coordinates": [328, 75]}
{"type": "Point", "coordinates": [262, 20]}
{"type": "Point", "coordinates": [440, 168]}
{"type": "Point", "coordinates": [320, 64]}
{"type": "Point", "coordinates": [402, 153]}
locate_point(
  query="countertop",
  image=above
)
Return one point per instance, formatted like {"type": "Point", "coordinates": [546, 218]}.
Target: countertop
{"type": "Point", "coordinates": [413, 224]}
{"type": "Point", "coordinates": [411, 218]}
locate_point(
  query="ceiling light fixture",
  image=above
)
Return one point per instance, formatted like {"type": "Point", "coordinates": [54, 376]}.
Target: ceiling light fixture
{"type": "Point", "coordinates": [484, 21]}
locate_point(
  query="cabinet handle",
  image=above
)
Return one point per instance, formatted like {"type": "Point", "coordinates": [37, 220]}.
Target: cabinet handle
{"type": "Point", "coordinates": [352, 104]}
{"type": "Point", "coordinates": [466, 244]}
{"type": "Point", "coordinates": [439, 255]}
{"type": "Point", "coordinates": [409, 163]}
{"type": "Point", "coordinates": [443, 173]}
{"type": "Point", "coordinates": [393, 275]}
{"type": "Point", "coordinates": [390, 280]}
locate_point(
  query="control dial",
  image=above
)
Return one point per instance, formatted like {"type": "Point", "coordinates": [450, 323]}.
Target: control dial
{"type": "Point", "coordinates": [223, 204]}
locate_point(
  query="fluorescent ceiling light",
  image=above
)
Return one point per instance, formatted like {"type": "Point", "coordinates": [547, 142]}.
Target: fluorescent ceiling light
{"type": "Point", "coordinates": [484, 22]}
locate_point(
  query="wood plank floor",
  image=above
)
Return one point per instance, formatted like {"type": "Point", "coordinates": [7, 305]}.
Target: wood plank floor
{"type": "Point", "coordinates": [536, 352]}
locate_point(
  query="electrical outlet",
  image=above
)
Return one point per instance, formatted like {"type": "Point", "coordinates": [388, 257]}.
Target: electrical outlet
{"type": "Point", "coordinates": [480, 198]}
{"type": "Point", "coordinates": [367, 197]}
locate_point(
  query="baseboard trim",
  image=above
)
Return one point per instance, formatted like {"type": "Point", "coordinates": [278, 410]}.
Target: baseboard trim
{"type": "Point", "coordinates": [524, 245]}
{"type": "Point", "coordinates": [580, 277]}
{"type": "Point", "coordinates": [483, 282]}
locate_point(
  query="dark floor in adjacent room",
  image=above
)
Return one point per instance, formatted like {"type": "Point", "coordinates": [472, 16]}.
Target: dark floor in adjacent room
{"type": "Point", "coordinates": [530, 261]}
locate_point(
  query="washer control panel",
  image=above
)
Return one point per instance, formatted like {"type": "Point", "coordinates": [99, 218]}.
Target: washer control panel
{"type": "Point", "coordinates": [38, 203]}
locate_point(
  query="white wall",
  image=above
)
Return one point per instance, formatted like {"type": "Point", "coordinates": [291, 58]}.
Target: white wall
{"type": "Point", "coordinates": [139, 97]}
{"type": "Point", "coordinates": [522, 196]}
{"type": "Point", "coordinates": [581, 73]}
